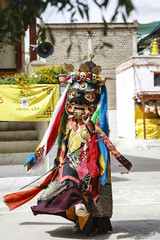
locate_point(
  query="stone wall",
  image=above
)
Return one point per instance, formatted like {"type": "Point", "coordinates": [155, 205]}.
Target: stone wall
{"type": "Point", "coordinates": [83, 37]}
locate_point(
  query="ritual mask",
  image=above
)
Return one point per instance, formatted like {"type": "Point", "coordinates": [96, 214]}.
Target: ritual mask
{"type": "Point", "coordinates": [82, 96]}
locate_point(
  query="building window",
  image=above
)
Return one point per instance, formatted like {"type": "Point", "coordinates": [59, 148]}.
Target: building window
{"type": "Point", "coordinates": [157, 79]}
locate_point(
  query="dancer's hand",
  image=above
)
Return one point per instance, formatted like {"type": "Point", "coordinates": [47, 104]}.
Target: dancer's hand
{"type": "Point", "coordinates": [86, 118]}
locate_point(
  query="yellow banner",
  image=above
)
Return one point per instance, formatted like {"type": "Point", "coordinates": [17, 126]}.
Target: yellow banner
{"type": "Point", "coordinates": [35, 103]}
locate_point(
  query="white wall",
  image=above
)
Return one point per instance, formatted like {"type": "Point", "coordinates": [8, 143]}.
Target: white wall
{"type": "Point", "coordinates": [144, 78]}
{"type": "Point", "coordinates": [112, 120]}
{"type": "Point", "coordinates": [125, 89]}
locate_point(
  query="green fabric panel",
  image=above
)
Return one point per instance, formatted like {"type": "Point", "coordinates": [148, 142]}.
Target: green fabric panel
{"type": "Point", "coordinates": [147, 28]}
{"type": "Point", "coordinates": [95, 116]}
{"type": "Point", "coordinates": [64, 119]}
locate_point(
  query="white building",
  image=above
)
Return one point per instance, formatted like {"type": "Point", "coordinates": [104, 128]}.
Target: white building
{"type": "Point", "coordinates": [138, 102]}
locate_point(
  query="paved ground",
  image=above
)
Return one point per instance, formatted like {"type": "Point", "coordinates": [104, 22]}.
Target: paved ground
{"type": "Point", "coordinates": [136, 198]}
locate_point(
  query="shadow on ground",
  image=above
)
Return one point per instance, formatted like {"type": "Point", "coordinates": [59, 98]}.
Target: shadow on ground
{"type": "Point", "coordinates": [119, 179]}
{"type": "Point", "coordinates": [136, 229]}
{"type": "Point", "coordinates": [46, 223]}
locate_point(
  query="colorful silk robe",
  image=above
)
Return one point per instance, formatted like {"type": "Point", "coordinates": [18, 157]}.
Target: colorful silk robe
{"type": "Point", "coordinates": [85, 166]}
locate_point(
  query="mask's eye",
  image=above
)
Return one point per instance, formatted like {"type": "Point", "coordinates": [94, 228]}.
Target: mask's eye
{"type": "Point", "coordinates": [72, 93]}
{"type": "Point", "coordinates": [90, 96]}
{"type": "Point", "coordinates": [83, 85]}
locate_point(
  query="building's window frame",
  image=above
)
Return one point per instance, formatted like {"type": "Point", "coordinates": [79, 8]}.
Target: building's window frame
{"type": "Point", "coordinates": [154, 79]}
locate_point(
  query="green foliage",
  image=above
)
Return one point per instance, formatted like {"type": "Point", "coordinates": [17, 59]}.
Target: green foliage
{"type": "Point", "coordinates": [47, 75]}
{"type": "Point", "coordinates": [128, 7]}
{"type": "Point", "coordinates": [20, 79]}
{"type": "Point", "coordinates": [7, 79]}
{"type": "Point", "coordinates": [44, 75]}
{"type": "Point", "coordinates": [19, 14]}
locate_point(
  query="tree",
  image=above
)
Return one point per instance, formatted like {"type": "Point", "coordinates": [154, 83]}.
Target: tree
{"type": "Point", "coordinates": [18, 15]}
